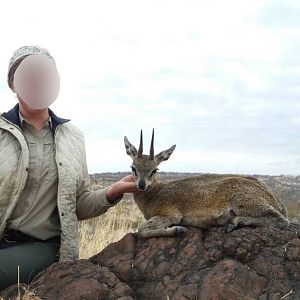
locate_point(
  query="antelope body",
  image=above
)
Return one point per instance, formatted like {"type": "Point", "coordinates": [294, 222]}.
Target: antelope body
{"type": "Point", "coordinates": [207, 200]}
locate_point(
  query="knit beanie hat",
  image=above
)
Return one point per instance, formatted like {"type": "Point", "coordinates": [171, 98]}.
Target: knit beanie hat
{"type": "Point", "coordinates": [20, 54]}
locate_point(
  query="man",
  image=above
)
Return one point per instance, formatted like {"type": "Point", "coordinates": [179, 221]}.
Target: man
{"type": "Point", "coordinates": [44, 180]}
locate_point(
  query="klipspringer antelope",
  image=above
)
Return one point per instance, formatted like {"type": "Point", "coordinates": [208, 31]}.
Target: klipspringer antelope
{"type": "Point", "coordinates": [207, 200]}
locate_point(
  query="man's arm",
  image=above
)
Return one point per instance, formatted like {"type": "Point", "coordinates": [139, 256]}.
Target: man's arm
{"type": "Point", "coordinates": [91, 204]}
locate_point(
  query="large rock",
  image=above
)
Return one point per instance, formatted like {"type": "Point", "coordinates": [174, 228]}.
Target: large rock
{"type": "Point", "coordinates": [247, 263]}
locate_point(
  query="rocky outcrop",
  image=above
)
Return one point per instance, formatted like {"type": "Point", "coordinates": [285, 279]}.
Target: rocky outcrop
{"type": "Point", "coordinates": [247, 263]}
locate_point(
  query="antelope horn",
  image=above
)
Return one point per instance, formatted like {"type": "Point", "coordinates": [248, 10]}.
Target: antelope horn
{"type": "Point", "coordinates": [152, 146]}
{"type": "Point", "coordinates": [140, 151]}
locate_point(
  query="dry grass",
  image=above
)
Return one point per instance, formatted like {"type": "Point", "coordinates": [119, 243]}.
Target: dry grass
{"type": "Point", "coordinates": [293, 210]}
{"type": "Point", "coordinates": [97, 233]}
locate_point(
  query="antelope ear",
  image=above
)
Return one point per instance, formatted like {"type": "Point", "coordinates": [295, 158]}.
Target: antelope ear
{"type": "Point", "coordinates": [130, 149]}
{"type": "Point", "coordinates": [164, 155]}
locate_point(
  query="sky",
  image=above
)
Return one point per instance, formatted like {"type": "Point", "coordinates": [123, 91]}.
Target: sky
{"type": "Point", "coordinates": [220, 79]}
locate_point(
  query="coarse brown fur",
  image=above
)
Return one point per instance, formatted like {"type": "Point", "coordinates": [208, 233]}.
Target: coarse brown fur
{"type": "Point", "coordinates": [202, 201]}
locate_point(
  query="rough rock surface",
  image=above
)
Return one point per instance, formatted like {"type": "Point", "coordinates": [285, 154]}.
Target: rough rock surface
{"type": "Point", "coordinates": [247, 263]}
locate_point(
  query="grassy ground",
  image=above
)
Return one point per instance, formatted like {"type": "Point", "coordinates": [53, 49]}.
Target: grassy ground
{"type": "Point", "coordinates": [97, 233]}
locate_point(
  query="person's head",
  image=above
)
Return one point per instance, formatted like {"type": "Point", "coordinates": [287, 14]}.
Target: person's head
{"type": "Point", "coordinates": [33, 76]}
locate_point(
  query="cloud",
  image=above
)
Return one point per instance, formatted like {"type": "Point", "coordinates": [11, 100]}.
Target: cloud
{"type": "Point", "coordinates": [220, 79]}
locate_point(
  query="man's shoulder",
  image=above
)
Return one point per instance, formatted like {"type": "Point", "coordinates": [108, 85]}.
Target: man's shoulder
{"type": "Point", "coordinates": [2, 119]}
{"type": "Point", "coordinates": [72, 128]}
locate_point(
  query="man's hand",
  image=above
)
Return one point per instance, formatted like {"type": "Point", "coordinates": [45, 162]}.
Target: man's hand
{"type": "Point", "coordinates": [124, 185]}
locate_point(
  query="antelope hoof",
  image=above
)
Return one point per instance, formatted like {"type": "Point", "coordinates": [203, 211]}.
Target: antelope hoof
{"type": "Point", "coordinates": [229, 227]}
{"type": "Point", "coordinates": [180, 230]}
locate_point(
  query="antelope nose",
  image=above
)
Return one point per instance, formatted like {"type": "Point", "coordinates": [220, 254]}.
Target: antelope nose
{"type": "Point", "coordinates": [142, 184]}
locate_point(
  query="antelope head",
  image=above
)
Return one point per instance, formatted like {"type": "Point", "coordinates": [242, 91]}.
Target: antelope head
{"type": "Point", "coordinates": [144, 167]}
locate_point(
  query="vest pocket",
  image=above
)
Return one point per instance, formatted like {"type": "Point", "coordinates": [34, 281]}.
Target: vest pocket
{"type": "Point", "coordinates": [49, 162]}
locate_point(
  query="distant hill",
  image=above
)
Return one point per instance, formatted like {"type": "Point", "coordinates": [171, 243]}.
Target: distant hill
{"type": "Point", "coordinates": [286, 187]}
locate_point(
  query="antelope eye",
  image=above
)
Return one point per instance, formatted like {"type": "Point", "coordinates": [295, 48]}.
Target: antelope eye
{"type": "Point", "coordinates": [134, 170]}
{"type": "Point", "coordinates": [153, 172]}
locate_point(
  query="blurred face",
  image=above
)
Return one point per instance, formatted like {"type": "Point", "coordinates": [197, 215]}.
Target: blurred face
{"type": "Point", "coordinates": [28, 109]}
{"type": "Point", "coordinates": [36, 82]}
